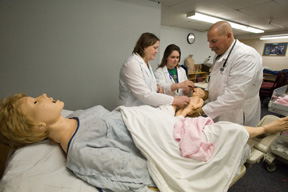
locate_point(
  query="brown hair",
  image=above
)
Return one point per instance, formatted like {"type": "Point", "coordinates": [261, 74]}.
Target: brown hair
{"type": "Point", "coordinates": [145, 40]}
{"type": "Point", "coordinates": [169, 49]}
{"type": "Point", "coordinates": [16, 129]}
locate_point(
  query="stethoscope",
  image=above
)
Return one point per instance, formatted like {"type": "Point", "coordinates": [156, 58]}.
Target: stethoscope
{"type": "Point", "coordinates": [225, 63]}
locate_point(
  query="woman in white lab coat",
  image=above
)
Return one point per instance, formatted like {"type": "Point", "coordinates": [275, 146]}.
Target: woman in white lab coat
{"type": "Point", "coordinates": [137, 83]}
{"type": "Point", "coordinates": [170, 75]}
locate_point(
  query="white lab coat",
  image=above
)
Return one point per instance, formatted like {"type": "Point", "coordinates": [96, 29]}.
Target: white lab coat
{"type": "Point", "coordinates": [164, 79]}
{"type": "Point", "coordinates": [137, 85]}
{"type": "Point", "coordinates": [234, 93]}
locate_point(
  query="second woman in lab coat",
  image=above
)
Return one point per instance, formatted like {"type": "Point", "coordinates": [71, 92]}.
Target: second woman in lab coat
{"type": "Point", "coordinates": [170, 75]}
{"type": "Point", "coordinates": [137, 84]}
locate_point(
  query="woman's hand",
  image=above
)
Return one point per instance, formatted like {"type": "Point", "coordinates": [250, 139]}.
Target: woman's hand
{"type": "Point", "coordinates": [186, 91]}
{"type": "Point", "coordinates": [186, 85]}
{"type": "Point", "coordinates": [160, 89]}
{"type": "Point", "coordinates": [181, 100]}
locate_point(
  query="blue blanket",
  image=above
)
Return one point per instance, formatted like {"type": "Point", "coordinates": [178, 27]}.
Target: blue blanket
{"type": "Point", "coordinates": [102, 152]}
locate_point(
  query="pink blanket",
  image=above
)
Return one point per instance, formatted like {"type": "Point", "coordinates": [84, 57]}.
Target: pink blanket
{"type": "Point", "coordinates": [282, 100]}
{"type": "Point", "coordinates": [188, 132]}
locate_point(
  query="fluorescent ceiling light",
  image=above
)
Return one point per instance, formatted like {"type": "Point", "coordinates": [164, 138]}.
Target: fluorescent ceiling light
{"type": "Point", "coordinates": [210, 19]}
{"type": "Point", "coordinates": [274, 37]}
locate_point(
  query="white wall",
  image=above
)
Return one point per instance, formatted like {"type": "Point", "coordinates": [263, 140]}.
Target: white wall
{"type": "Point", "coordinates": [70, 49]}
{"type": "Point", "coordinates": [73, 50]}
{"type": "Point", "coordinates": [199, 49]}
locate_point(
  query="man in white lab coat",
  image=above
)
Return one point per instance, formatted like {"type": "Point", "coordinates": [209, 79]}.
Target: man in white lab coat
{"type": "Point", "coordinates": [235, 79]}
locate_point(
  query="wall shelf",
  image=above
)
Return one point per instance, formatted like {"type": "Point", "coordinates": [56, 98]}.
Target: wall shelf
{"type": "Point", "coordinates": [193, 76]}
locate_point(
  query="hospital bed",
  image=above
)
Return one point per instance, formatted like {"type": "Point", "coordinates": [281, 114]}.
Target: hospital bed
{"type": "Point", "coordinates": [41, 167]}
{"type": "Point", "coordinates": [260, 147]}
{"type": "Point", "coordinates": [279, 149]}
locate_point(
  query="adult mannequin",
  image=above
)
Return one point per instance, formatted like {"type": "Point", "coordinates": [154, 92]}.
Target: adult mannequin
{"type": "Point", "coordinates": [41, 118]}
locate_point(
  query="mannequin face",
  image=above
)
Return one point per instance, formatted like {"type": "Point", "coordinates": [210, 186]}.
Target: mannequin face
{"type": "Point", "coordinates": [173, 60]}
{"type": "Point", "coordinates": [42, 109]}
{"type": "Point", "coordinates": [150, 52]}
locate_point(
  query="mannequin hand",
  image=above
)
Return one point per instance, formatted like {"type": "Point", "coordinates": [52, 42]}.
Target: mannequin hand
{"type": "Point", "coordinates": [196, 102]}
{"type": "Point", "coordinates": [278, 125]}
{"type": "Point", "coordinates": [191, 109]}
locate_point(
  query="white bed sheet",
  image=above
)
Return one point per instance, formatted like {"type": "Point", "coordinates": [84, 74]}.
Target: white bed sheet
{"type": "Point", "coordinates": [41, 167]}
{"type": "Point", "coordinates": [152, 132]}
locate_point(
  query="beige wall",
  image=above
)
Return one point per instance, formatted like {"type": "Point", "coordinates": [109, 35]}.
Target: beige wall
{"type": "Point", "coordinates": [275, 63]}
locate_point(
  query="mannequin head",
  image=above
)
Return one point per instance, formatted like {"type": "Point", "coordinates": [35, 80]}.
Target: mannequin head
{"type": "Point", "coordinates": [16, 129]}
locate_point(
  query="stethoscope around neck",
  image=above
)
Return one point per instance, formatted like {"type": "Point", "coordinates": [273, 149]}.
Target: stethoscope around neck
{"type": "Point", "coordinates": [225, 63]}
